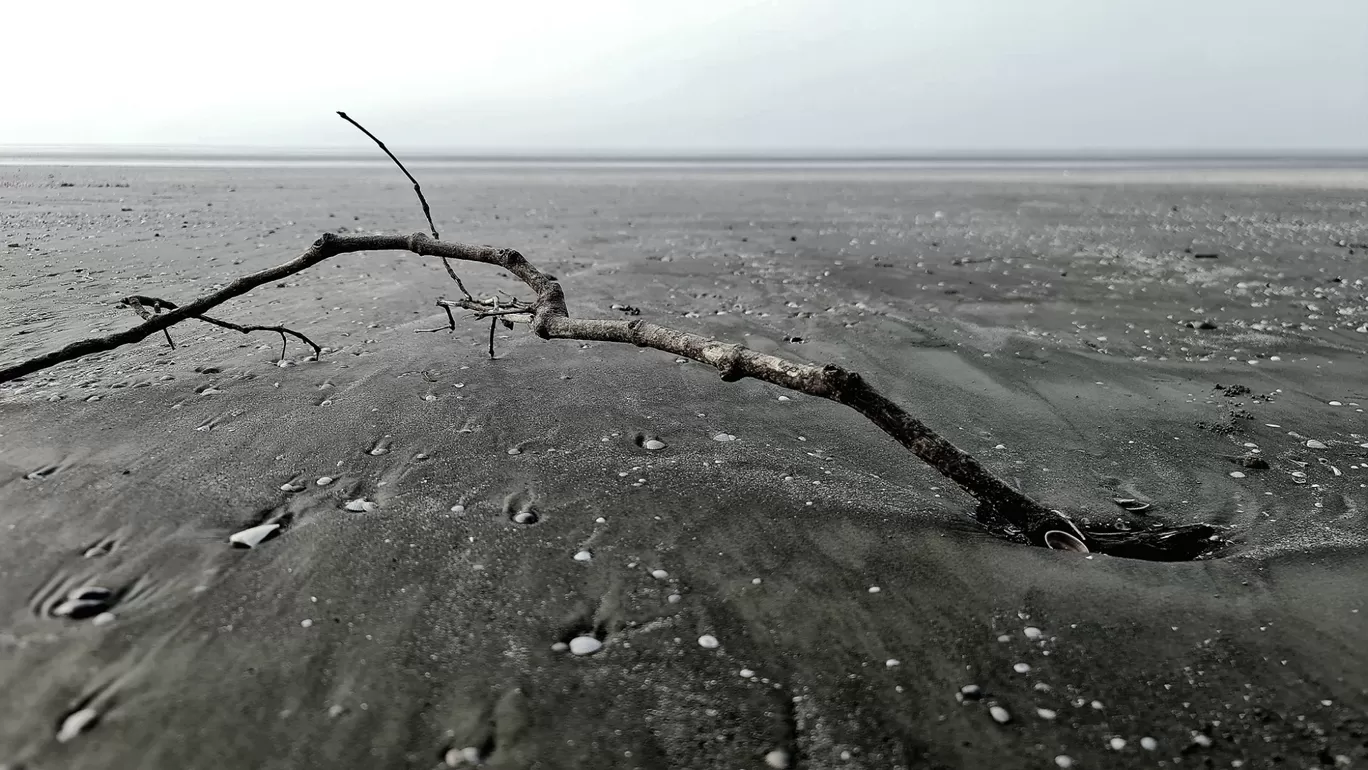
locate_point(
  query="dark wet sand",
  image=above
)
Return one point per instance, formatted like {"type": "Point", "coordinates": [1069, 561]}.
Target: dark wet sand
{"type": "Point", "coordinates": [1045, 317]}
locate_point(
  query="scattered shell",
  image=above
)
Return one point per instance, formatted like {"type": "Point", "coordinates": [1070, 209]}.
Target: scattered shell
{"type": "Point", "coordinates": [560, 647]}
{"type": "Point", "coordinates": [971, 691]}
{"type": "Point", "coordinates": [708, 642]}
{"type": "Point", "coordinates": [777, 759]}
{"type": "Point", "coordinates": [324, 481]}
{"type": "Point", "coordinates": [1064, 760]}
{"type": "Point", "coordinates": [1117, 744]}
{"type": "Point", "coordinates": [525, 517]}
{"type": "Point", "coordinates": [290, 486]}
{"type": "Point", "coordinates": [1022, 668]}
{"type": "Point", "coordinates": [1314, 444]}
{"type": "Point", "coordinates": [584, 556]}
{"type": "Point", "coordinates": [361, 505]}
{"type": "Point", "coordinates": [253, 536]}
{"type": "Point", "coordinates": [76, 723]}
{"type": "Point", "coordinates": [1046, 713]}
{"type": "Point", "coordinates": [746, 673]}
{"type": "Point", "coordinates": [458, 508]}
{"type": "Point", "coordinates": [469, 755]}
{"type": "Point", "coordinates": [874, 589]}
{"type": "Point", "coordinates": [585, 645]}
{"type": "Point", "coordinates": [1060, 540]}
{"type": "Point", "coordinates": [1236, 475]}
{"type": "Point", "coordinates": [1148, 744]}
{"type": "Point", "coordinates": [892, 663]}
{"type": "Point", "coordinates": [1032, 633]}
{"type": "Point", "coordinates": [1000, 715]}
{"type": "Point", "coordinates": [376, 452]}
{"type": "Point", "coordinates": [659, 574]}
{"type": "Point", "coordinates": [1131, 504]}
{"type": "Point", "coordinates": [724, 437]}
{"type": "Point", "coordinates": [654, 444]}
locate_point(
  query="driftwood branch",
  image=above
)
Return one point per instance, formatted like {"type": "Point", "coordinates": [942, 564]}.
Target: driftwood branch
{"type": "Point", "coordinates": [140, 305]}
{"type": "Point", "coordinates": [999, 503]}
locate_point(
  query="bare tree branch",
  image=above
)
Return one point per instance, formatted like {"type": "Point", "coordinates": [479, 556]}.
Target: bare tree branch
{"type": "Point", "coordinates": [140, 305]}
{"type": "Point", "coordinates": [998, 501]}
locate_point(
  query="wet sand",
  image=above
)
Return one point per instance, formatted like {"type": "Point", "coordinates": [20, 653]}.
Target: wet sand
{"type": "Point", "coordinates": [1052, 327]}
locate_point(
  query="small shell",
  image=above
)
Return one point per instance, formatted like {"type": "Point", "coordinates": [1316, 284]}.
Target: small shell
{"type": "Point", "coordinates": [253, 536]}
{"type": "Point", "coordinates": [1059, 540]}
{"type": "Point", "coordinates": [585, 645]}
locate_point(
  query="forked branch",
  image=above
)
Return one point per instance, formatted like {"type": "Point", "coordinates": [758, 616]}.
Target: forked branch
{"type": "Point", "coordinates": [549, 318]}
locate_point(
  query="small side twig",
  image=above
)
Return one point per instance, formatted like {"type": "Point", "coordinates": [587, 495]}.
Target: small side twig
{"type": "Point", "coordinates": [140, 304]}
{"type": "Point", "coordinates": [427, 212]}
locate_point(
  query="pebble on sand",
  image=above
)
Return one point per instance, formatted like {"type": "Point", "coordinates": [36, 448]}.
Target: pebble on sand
{"type": "Point", "coordinates": [560, 647]}
{"type": "Point", "coordinates": [1022, 668]}
{"type": "Point", "coordinates": [584, 556]}
{"type": "Point", "coordinates": [724, 437]}
{"type": "Point", "coordinates": [708, 642]}
{"type": "Point", "coordinates": [290, 486]}
{"type": "Point", "coordinates": [361, 505]}
{"type": "Point", "coordinates": [1032, 633]}
{"type": "Point", "coordinates": [585, 645]}
{"type": "Point", "coordinates": [253, 536]}
{"type": "Point", "coordinates": [654, 444]}
{"type": "Point", "coordinates": [525, 517]}
{"type": "Point", "coordinates": [892, 663]}
{"type": "Point", "coordinates": [674, 598]}
{"type": "Point", "coordinates": [1064, 760]}
{"type": "Point", "coordinates": [76, 723]}
{"type": "Point", "coordinates": [324, 481]}
{"type": "Point", "coordinates": [778, 759]}
{"type": "Point", "coordinates": [1117, 744]}
{"type": "Point", "coordinates": [1000, 715]}
{"type": "Point", "coordinates": [1148, 744]}
{"type": "Point", "coordinates": [659, 574]}
{"type": "Point", "coordinates": [745, 673]}
{"type": "Point", "coordinates": [1046, 713]}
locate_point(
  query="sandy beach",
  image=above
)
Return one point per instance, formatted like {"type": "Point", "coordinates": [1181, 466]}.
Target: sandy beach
{"type": "Point", "coordinates": [780, 585]}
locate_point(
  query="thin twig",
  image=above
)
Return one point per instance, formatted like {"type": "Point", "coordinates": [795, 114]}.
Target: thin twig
{"type": "Point", "coordinates": [427, 212]}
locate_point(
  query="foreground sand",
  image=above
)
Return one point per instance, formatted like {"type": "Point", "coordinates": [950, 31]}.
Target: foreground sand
{"type": "Point", "coordinates": [1042, 326]}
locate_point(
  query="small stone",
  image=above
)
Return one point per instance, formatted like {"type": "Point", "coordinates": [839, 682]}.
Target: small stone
{"type": "Point", "coordinates": [1314, 444]}
{"type": "Point", "coordinates": [874, 589]}
{"type": "Point", "coordinates": [1022, 668]}
{"type": "Point", "coordinates": [1000, 715]}
{"type": "Point", "coordinates": [584, 556]}
{"type": "Point", "coordinates": [659, 574]}
{"type": "Point", "coordinates": [674, 598]}
{"type": "Point", "coordinates": [585, 645]}
{"type": "Point", "coordinates": [971, 691]}
{"type": "Point", "coordinates": [1046, 713]}
{"type": "Point", "coordinates": [724, 437]}
{"type": "Point", "coordinates": [777, 759]}
{"type": "Point", "coordinates": [103, 619]}
{"type": "Point", "coordinates": [746, 673]}
{"type": "Point", "coordinates": [1064, 760]}
{"type": "Point", "coordinates": [560, 647]}
{"type": "Point", "coordinates": [654, 444]}
{"type": "Point", "coordinates": [892, 663]}
{"type": "Point", "coordinates": [1236, 475]}
{"type": "Point", "coordinates": [1148, 744]}
{"type": "Point", "coordinates": [1117, 744]}
{"type": "Point", "coordinates": [708, 642]}
{"type": "Point", "coordinates": [1032, 633]}
{"type": "Point", "coordinates": [1201, 739]}
{"type": "Point", "coordinates": [324, 481]}
{"type": "Point", "coordinates": [458, 508]}
{"type": "Point", "coordinates": [1336, 403]}
{"type": "Point", "coordinates": [306, 623]}
{"type": "Point", "coordinates": [525, 517]}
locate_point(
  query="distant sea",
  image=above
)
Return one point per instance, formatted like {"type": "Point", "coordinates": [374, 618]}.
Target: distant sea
{"type": "Point", "coordinates": [213, 157]}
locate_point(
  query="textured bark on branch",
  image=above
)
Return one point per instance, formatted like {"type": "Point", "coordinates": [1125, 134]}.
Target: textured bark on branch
{"type": "Point", "coordinates": [549, 319]}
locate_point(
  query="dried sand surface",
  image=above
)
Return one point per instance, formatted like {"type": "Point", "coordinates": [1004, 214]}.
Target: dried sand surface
{"type": "Point", "coordinates": [595, 556]}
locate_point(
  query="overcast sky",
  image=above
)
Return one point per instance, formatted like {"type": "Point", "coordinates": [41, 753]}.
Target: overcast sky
{"type": "Point", "coordinates": [691, 76]}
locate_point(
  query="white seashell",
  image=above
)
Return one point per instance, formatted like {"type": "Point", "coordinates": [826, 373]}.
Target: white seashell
{"type": "Point", "coordinates": [724, 437]}
{"type": "Point", "coordinates": [1000, 715]}
{"type": "Point", "coordinates": [1314, 444]}
{"type": "Point", "coordinates": [361, 505]}
{"type": "Point", "coordinates": [777, 759]}
{"type": "Point", "coordinates": [654, 444]}
{"type": "Point", "coordinates": [290, 486]}
{"type": "Point", "coordinates": [1060, 540]}
{"type": "Point", "coordinates": [76, 723]}
{"type": "Point", "coordinates": [708, 642]}
{"type": "Point", "coordinates": [585, 645]}
{"type": "Point", "coordinates": [253, 536]}
{"type": "Point", "coordinates": [324, 481]}
{"type": "Point", "coordinates": [584, 556]}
